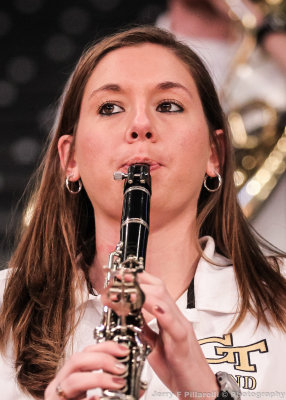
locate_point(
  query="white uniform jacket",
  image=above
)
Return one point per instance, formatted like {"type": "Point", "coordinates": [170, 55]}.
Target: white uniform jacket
{"type": "Point", "coordinates": [255, 356]}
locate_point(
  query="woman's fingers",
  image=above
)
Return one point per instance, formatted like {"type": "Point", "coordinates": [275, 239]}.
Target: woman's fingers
{"type": "Point", "coordinates": [174, 324]}
{"type": "Point", "coordinates": [97, 366]}
{"type": "Point", "coordinates": [160, 304]}
{"type": "Point", "coordinates": [88, 362]}
{"type": "Point", "coordinates": [109, 347]}
{"type": "Point", "coordinates": [79, 382]}
{"type": "Point", "coordinates": [99, 356]}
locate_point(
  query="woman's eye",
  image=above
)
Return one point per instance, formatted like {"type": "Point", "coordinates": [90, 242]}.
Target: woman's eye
{"type": "Point", "coordinates": [169, 106]}
{"type": "Point", "coordinates": [109, 109]}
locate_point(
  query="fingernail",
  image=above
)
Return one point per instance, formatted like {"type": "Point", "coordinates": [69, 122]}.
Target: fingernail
{"type": "Point", "coordinates": [159, 309]}
{"type": "Point", "coordinates": [123, 346]}
{"type": "Point", "coordinates": [120, 366]}
{"type": "Point", "coordinates": [119, 381]}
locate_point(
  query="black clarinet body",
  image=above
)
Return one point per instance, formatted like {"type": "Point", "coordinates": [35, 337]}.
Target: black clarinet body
{"type": "Point", "coordinates": [122, 319]}
{"type": "Point", "coordinates": [135, 212]}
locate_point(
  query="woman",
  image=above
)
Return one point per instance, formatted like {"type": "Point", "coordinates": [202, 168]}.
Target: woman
{"type": "Point", "coordinates": [140, 96]}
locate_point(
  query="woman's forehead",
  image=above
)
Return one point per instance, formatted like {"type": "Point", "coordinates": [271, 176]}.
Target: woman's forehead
{"type": "Point", "coordinates": [139, 64]}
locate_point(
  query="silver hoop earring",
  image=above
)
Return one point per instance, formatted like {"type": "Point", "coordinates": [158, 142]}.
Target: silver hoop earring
{"type": "Point", "coordinates": [218, 176]}
{"type": "Point", "coordinates": [69, 187]}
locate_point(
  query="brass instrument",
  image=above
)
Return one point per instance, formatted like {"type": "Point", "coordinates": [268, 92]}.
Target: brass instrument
{"type": "Point", "coordinates": [257, 125]}
{"type": "Point", "coordinates": [122, 319]}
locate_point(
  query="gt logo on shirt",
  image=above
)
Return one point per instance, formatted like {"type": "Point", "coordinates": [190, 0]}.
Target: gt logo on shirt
{"type": "Point", "coordinates": [239, 356]}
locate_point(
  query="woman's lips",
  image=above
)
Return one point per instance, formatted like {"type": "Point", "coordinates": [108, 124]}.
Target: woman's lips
{"type": "Point", "coordinates": [153, 165]}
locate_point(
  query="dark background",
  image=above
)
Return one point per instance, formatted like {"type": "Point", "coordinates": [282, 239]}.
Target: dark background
{"type": "Point", "coordinates": [40, 42]}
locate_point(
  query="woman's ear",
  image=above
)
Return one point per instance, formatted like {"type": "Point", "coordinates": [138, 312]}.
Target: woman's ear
{"type": "Point", "coordinates": [67, 157]}
{"type": "Point", "coordinates": [216, 160]}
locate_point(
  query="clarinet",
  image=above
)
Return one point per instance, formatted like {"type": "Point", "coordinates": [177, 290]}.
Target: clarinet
{"type": "Point", "coordinates": [122, 319]}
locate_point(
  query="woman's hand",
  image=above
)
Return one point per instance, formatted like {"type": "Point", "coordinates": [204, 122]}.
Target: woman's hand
{"type": "Point", "coordinates": [78, 373]}
{"type": "Point", "coordinates": [176, 357]}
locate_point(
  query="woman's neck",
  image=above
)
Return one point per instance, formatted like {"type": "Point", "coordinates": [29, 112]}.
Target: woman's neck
{"type": "Point", "coordinates": [172, 253]}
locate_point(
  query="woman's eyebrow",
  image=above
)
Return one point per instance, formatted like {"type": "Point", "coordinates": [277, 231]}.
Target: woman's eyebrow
{"type": "Point", "coordinates": [113, 87]}
{"type": "Point", "coordinates": [173, 85]}
{"type": "Point", "coordinates": [109, 87]}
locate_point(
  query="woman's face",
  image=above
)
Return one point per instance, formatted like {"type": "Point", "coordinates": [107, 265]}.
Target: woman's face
{"type": "Point", "coordinates": [141, 105]}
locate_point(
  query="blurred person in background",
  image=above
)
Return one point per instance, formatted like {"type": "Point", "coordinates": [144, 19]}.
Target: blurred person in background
{"type": "Point", "coordinates": [243, 44]}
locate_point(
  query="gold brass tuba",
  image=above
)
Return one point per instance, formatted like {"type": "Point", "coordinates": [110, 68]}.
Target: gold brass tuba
{"type": "Point", "coordinates": [256, 111]}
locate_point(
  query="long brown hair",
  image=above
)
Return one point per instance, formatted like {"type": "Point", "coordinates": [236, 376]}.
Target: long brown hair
{"type": "Point", "coordinates": [38, 311]}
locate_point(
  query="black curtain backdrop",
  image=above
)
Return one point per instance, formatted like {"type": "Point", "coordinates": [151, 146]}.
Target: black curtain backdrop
{"type": "Point", "coordinates": [40, 42]}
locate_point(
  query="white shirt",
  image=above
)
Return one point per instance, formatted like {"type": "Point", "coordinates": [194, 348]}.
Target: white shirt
{"type": "Point", "coordinates": [254, 355]}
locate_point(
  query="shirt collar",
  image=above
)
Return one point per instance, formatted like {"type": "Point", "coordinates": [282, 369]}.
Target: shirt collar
{"type": "Point", "coordinates": [215, 285]}
{"type": "Point", "coordinates": [83, 297]}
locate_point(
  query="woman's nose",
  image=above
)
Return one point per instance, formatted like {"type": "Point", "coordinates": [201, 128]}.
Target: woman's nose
{"type": "Point", "coordinates": [135, 135]}
{"type": "Point", "coordinates": [141, 128]}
